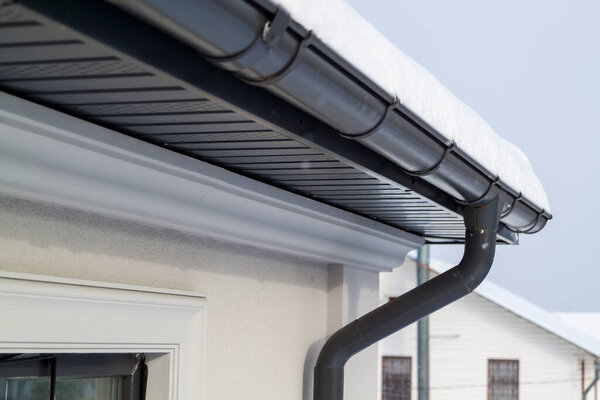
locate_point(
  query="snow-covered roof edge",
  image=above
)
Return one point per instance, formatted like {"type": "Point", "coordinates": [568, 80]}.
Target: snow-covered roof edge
{"type": "Point", "coordinates": [347, 33]}
{"type": "Point", "coordinates": [588, 322]}
{"type": "Point", "coordinates": [527, 310]}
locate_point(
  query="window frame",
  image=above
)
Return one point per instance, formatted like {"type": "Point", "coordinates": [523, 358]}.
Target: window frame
{"type": "Point", "coordinates": [41, 315]}
{"type": "Point", "coordinates": [506, 360]}
{"type": "Point", "coordinates": [409, 359]}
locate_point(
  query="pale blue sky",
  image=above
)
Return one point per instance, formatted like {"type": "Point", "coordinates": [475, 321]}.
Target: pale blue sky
{"type": "Point", "coordinates": [532, 70]}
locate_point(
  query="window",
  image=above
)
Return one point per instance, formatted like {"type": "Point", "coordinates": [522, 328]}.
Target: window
{"type": "Point", "coordinates": [503, 379]}
{"type": "Point", "coordinates": [72, 376]}
{"type": "Point", "coordinates": [396, 376]}
{"type": "Point", "coordinates": [44, 316]}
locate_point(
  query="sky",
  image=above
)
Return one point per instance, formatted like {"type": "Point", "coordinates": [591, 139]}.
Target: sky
{"type": "Point", "coordinates": [531, 69]}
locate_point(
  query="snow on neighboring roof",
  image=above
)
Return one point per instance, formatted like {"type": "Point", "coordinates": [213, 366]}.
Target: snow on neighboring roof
{"type": "Point", "coordinates": [347, 33]}
{"type": "Point", "coordinates": [588, 322]}
{"type": "Point", "coordinates": [529, 311]}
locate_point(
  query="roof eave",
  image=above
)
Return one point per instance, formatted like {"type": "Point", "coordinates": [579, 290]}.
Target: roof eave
{"type": "Point", "coordinates": [356, 106]}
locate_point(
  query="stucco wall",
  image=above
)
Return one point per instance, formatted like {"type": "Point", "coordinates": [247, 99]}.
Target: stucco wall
{"type": "Point", "coordinates": [267, 313]}
{"type": "Point", "coordinates": [464, 335]}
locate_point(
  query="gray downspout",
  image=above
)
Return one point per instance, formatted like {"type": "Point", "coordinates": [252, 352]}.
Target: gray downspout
{"type": "Point", "coordinates": [596, 378]}
{"type": "Point", "coordinates": [481, 223]}
{"type": "Point", "coordinates": [423, 330]}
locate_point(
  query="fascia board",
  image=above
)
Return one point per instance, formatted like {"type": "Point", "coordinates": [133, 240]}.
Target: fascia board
{"type": "Point", "coordinates": [49, 156]}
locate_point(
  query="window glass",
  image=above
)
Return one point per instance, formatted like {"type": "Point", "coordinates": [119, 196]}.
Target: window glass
{"type": "Point", "coordinates": [66, 389]}
{"type": "Point", "coordinates": [396, 375]}
{"type": "Point", "coordinates": [503, 381]}
{"type": "Point", "coordinates": [79, 376]}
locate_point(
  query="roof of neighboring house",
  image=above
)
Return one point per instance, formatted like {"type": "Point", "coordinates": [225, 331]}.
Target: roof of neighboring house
{"type": "Point", "coordinates": [529, 311]}
{"type": "Point", "coordinates": [588, 322]}
{"type": "Point", "coordinates": [277, 96]}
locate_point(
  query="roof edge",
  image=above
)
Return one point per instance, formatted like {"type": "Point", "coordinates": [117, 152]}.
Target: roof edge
{"type": "Point", "coordinates": [457, 174]}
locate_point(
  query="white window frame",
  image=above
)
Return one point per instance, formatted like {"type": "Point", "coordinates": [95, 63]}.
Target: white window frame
{"type": "Point", "coordinates": [52, 315]}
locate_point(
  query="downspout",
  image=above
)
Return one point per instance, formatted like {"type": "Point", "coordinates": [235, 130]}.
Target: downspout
{"type": "Point", "coordinates": [481, 222]}
{"type": "Point", "coordinates": [596, 378]}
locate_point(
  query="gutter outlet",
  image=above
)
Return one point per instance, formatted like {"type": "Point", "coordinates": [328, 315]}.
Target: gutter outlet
{"type": "Point", "coordinates": [481, 222]}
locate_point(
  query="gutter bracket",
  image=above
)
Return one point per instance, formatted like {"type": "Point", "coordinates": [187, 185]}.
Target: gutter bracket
{"type": "Point", "coordinates": [279, 75]}
{"type": "Point", "coordinates": [377, 126]}
{"type": "Point", "coordinates": [270, 35]}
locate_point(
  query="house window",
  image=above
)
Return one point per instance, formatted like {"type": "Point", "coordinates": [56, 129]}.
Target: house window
{"type": "Point", "coordinates": [55, 317]}
{"type": "Point", "coordinates": [72, 376]}
{"type": "Point", "coordinates": [396, 378]}
{"type": "Point", "coordinates": [503, 379]}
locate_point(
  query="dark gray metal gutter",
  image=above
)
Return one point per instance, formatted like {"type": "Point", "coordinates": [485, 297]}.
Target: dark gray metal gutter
{"type": "Point", "coordinates": [359, 180]}
{"type": "Point", "coordinates": [266, 48]}
{"type": "Point", "coordinates": [480, 244]}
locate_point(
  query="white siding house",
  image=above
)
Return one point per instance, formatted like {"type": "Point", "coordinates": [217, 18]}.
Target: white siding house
{"type": "Point", "coordinates": [492, 324]}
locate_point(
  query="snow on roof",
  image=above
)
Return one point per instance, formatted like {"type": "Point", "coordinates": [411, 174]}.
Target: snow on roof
{"type": "Point", "coordinates": [529, 311]}
{"type": "Point", "coordinates": [588, 322]}
{"type": "Point", "coordinates": [347, 33]}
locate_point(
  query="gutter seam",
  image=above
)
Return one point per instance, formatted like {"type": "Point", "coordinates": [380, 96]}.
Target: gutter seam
{"type": "Point", "coordinates": [464, 282]}
{"type": "Point", "coordinates": [359, 333]}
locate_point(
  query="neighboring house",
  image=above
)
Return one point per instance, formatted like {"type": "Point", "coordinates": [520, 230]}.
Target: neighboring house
{"type": "Point", "coordinates": [490, 339]}
{"type": "Point", "coordinates": [199, 193]}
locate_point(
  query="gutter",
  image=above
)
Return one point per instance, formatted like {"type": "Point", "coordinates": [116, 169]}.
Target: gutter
{"type": "Point", "coordinates": [481, 223]}
{"type": "Point", "coordinates": [263, 46]}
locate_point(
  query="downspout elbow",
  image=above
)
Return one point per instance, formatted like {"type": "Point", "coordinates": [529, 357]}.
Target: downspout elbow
{"type": "Point", "coordinates": [481, 223]}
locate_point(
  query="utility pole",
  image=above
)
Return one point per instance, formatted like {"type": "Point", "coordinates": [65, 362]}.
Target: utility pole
{"type": "Point", "coordinates": [423, 329]}
{"type": "Point", "coordinates": [596, 379]}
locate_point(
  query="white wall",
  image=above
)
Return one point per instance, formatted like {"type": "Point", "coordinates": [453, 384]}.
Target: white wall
{"type": "Point", "coordinates": [464, 335]}
{"type": "Point", "coordinates": [353, 293]}
{"type": "Point", "coordinates": [267, 313]}
{"type": "Point", "coordinates": [269, 310]}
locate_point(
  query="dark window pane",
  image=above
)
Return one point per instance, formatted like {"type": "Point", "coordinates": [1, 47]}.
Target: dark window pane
{"type": "Point", "coordinates": [396, 378]}
{"type": "Point", "coordinates": [503, 381]}
{"type": "Point", "coordinates": [66, 389]}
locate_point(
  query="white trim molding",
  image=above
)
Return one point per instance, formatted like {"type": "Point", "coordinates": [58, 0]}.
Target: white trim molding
{"type": "Point", "coordinates": [49, 156]}
{"type": "Point", "coordinates": [51, 315]}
